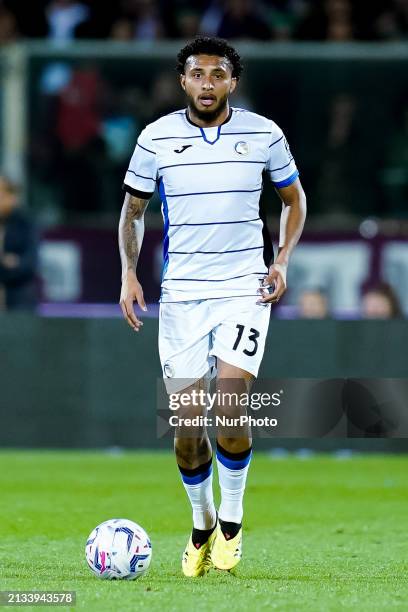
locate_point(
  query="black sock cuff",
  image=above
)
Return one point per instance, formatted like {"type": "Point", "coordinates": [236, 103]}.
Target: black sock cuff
{"type": "Point", "coordinates": [229, 529]}
{"type": "Point", "coordinates": [204, 467]}
{"type": "Point", "coordinates": [200, 536]}
{"type": "Point", "coordinates": [234, 456]}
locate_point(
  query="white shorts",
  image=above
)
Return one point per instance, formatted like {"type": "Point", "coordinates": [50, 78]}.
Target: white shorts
{"type": "Point", "coordinates": [192, 334]}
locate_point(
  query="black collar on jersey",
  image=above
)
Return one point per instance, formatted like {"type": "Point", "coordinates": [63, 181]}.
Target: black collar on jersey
{"type": "Point", "coordinates": [205, 128]}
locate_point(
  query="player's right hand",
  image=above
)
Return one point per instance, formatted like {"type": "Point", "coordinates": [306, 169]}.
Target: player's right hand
{"type": "Point", "coordinates": [131, 292]}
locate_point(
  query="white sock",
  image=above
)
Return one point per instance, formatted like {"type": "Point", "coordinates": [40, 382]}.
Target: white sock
{"type": "Point", "coordinates": [200, 493]}
{"type": "Point", "coordinates": [232, 475]}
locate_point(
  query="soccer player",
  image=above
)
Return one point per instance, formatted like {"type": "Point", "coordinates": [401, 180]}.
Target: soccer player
{"type": "Point", "coordinates": [209, 161]}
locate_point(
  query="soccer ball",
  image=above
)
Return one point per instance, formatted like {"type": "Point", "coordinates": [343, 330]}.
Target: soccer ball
{"type": "Point", "coordinates": [118, 549]}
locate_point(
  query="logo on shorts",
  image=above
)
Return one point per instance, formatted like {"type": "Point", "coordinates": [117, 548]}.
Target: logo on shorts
{"type": "Point", "coordinates": [242, 147]}
{"type": "Point", "coordinates": [168, 370]}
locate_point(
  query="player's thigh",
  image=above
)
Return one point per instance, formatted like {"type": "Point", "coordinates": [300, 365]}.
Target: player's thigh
{"type": "Point", "coordinates": [239, 338]}
{"type": "Point", "coordinates": [184, 343]}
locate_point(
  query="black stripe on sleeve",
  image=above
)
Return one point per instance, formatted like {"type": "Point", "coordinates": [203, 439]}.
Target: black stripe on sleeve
{"type": "Point", "coordinates": [282, 167]}
{"type": "Point", "coordinates": [144, 148]}
{"type": "Point", "coordinates": [147, 178]}
{"type": "Point", "coordinates": [143, 195]}
{"type": "Point", "coordinates": [276, 142]}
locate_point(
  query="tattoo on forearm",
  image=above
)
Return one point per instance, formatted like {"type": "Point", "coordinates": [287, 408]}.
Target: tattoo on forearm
{"type": "Point", "coordinates": [131, 230]}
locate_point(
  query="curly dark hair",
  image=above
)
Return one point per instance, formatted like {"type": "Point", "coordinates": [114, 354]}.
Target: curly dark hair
{"type": "Point", "coordinates": [210, 46]}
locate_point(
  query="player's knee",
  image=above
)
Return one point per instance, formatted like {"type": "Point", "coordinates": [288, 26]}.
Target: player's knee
{"type": "Point", "coordinates": [186, 445]}
{"type": "Point", "coordinates": [191, 451]}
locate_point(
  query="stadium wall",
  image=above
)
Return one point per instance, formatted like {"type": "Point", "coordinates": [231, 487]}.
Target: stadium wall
{"type": "Point", "coordinates": [87, 383]}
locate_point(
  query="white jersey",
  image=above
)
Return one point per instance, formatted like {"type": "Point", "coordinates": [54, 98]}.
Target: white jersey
{"type": "Point", "coordinates": [210, 182]}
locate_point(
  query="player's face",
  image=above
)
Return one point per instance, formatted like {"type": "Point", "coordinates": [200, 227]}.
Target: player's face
{"type": "Point", "coordinates": [208, 82]}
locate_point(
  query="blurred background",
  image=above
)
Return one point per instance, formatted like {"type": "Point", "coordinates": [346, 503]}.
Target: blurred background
{"type": "Point", "coordinates": [79, 81]}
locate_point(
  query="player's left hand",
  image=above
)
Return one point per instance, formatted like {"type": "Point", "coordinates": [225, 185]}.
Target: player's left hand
{"type": "Point", "coordinates": [276, 279]}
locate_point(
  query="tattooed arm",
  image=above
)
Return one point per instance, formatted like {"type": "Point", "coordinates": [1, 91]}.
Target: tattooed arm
{"type": "Point", "coordinates": [131, 231]}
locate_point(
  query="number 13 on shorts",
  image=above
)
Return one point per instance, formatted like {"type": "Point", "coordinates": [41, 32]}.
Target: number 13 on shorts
{"type": "Point", "coordinates": [252, 337]}
{"type": "Point", "coordinates": [240, 337]}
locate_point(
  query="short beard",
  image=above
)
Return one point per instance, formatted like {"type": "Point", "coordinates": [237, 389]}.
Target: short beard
{"type": "Point", "coordinates": [208, 116]}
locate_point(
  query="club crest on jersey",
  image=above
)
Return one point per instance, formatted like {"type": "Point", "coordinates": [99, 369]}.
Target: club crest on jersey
{"type": "Point", "coordinates": [242, 147]}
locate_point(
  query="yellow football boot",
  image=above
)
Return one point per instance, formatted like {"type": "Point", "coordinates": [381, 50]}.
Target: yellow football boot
{"type": "Point", "coordinates": [226, 553]}
{"type": "Point", "coordinates": [197, 561]}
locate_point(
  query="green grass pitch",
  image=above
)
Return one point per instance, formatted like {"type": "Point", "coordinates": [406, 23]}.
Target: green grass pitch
{"type": "Point", "coordinates": [320, 534]}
